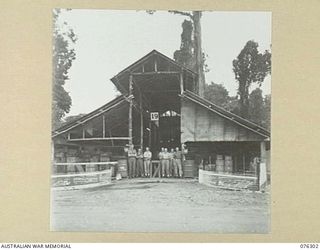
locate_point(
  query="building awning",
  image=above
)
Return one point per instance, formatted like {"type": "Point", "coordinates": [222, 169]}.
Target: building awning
{"type": "Point", "coordinates": [109, 108]}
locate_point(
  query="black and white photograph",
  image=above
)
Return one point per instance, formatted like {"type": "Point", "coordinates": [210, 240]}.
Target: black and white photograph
{"type": "Point", "coordinates": [161, 121]}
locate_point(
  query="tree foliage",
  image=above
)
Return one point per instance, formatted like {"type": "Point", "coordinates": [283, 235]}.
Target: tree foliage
{"type": "Point", "coordinates": [195, 57]}
{"type": "Point", "coordinates": [249, 67]}
{"type": "Point", "coordinates": [184, 55]}
{"type": "Point", "coordinates": [63, 55]}
{"type": "Point", "coordinates": [233, 105]}
{"type": "Point", "coordinates": [266, 121]}
{"type": "Point", "coordinates": [256, 106]}
{"type": "Point", "coordinates": [217, 94]}
{"type": "Point", "coordinates": [259, 108]}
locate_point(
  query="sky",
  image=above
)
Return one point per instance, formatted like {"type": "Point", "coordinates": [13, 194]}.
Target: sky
{"type": "Point", "coordinates": [110, 40]}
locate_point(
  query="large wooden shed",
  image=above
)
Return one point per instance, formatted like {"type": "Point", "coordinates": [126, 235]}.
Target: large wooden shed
{"type": "Point", "coordinates": [156, 86]}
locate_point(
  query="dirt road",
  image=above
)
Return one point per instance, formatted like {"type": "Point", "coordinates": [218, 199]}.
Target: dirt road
{"type": "Point", "coordinates": [166, 205]}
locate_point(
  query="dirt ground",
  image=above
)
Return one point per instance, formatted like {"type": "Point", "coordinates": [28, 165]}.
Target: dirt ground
{"type": "Point", "coordinates": [160, 205]}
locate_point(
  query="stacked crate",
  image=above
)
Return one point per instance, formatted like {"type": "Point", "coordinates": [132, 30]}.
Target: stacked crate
{"type": "Point", "coordinates": [228, 163]}
{"type": "Point", "coordinates": [219, 164]}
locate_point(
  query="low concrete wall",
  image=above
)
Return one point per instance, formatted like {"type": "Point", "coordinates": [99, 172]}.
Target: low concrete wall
{"type": "Point", "coordinates": [227, 181]}
{"type": "Point", "coordinates": [82, 180]}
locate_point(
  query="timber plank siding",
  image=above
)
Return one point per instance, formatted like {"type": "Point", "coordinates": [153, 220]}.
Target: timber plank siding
{"type": "Point", "coordinates": [200, 124]}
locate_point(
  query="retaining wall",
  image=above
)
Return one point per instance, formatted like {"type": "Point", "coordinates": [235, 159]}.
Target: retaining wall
{"type": "Point", "coordinates": [227, 181]}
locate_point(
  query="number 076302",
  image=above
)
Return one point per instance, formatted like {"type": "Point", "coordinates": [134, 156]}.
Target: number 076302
{"type": "Point", "coordinates": [309, 245]}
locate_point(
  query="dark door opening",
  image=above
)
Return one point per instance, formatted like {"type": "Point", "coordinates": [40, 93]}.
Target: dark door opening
{"type": "Point", "coordinates": [169, 129]}
{"type": "Point", "coordinates": [166, 134]}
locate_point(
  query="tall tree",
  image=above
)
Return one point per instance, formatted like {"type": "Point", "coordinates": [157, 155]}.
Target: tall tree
{"type": "Point", "coordinates": [256, 106]}
{"type": "Point", "coordinates": [184, 55]}
{"type": "Point", "coordinates": [63, 55]}
{"type": "Point", "coordinates": [249, 67]}
{"type": "Point", "coordinates": [195, 18]}
{"type": "Point", "coordinates": [267, 112]}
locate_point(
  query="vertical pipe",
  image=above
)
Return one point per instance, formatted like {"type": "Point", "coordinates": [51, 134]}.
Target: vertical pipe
{"type": "Point", "coordinates": [181, 83]}
{"type": "Point", "coordinates": [141, 122]}
{"type": "Point", "coordinates": [130, 108]}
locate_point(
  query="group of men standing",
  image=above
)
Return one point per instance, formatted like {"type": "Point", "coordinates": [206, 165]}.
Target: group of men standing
{"type": "Point", "coordinates": [139, 162]}
{"type": "Point", "coordinates": [171, 162]}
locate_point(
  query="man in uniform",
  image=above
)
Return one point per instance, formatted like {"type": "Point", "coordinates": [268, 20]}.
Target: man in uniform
{"type": "Point", "coordinates": [178, 163]}
{"type": "Point", "coordinates": [147, 162]}
{"type": "Point", "coordinates": [139, 170]}
{"type": "Point", "coordinates": [132, 154]}
{"type": "Point", "coordinates": [172, 163]}
{"type": "Point", "coordinates": [161, 162]}
{"type": "Point", "coordinates": [166, 162]}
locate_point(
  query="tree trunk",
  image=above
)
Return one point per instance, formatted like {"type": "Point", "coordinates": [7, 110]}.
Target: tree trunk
{"type": "Point", "coordinates": [198, 51]}
{"type": "Point", "coordinates": [244, 100]}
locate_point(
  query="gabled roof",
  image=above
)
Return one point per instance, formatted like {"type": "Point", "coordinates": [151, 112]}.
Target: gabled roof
{"type": "Point", "coordinates": [146, 57]}
{"type": "Point", "coordinates": [226, 114]}
{"type": "Point", "coordinates": [81, 120]}
{"type": "Point", "coordinates": [121, 85]}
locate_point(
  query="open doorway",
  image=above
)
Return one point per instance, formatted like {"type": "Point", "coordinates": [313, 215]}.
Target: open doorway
{"type": "Point", "coordinates": [169, 129]}
{"type": "Point", "coordinates": [165, 132]}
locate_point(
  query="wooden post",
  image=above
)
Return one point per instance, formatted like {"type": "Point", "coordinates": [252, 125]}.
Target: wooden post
{"type": "Point", "coordinates": [243, 162]}
{"type": "Point", "coordinates": [263, 152]}
{"type": "Point", "coordinates": [181, 83]}
{"type": "Point", "coordinates": [130, 108]}
{"type": "Point", "coordinates": [103, 126]}
{"type": "Point", "coordinates": [83, 133]}
{"type": "Point", "coordinates": [258, 176]}
{"type": "Point", "coordinates": [149, 135]}
{"type": "Point", "coordinates": [262, 166]}
{"type": "Point", "coordinates": [141, 122]}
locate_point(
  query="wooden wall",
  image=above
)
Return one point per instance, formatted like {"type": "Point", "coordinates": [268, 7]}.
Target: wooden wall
{"type": "Point", "coordinates": [201, 124]}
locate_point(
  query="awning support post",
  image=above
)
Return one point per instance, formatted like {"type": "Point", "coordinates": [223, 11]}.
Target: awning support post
{"type": "Point", "coordinates": [130, 108]}
{"type": "Point", "coordinates": [141, 122]}
{"type": "Point", "coordinates": [103, 126]}
{"type": "Point", "coordinates": [181, 83]}
{"type": "Point", "coordinates": [262, 173]}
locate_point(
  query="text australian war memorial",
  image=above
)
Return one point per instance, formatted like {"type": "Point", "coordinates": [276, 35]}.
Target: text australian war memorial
{"type": "Point", "coordinates": [159, 107]}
